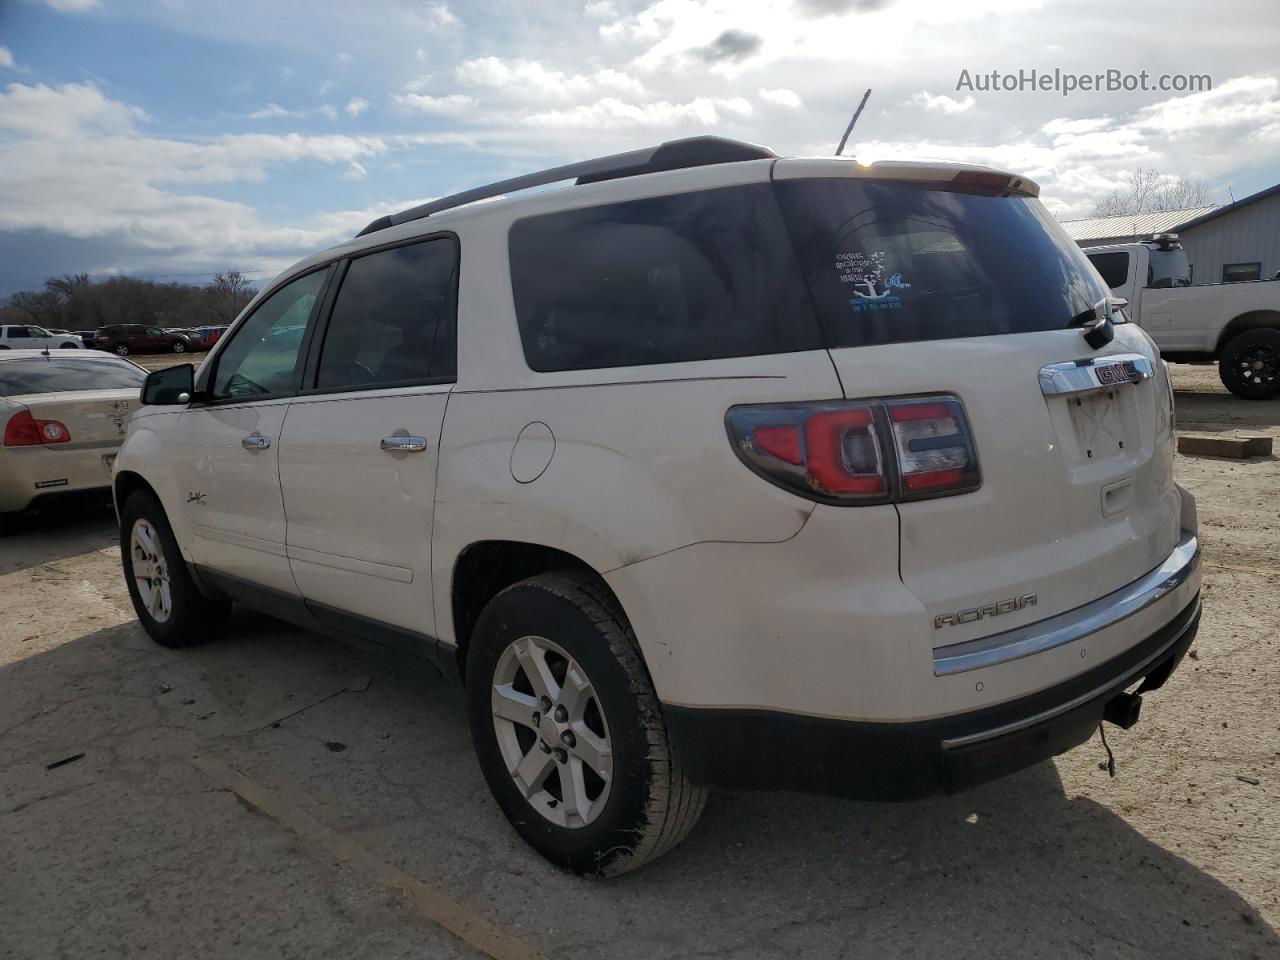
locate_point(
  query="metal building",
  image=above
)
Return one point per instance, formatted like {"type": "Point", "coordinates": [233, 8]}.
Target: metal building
{"type": "Point", "coordinates": [1227, 243]}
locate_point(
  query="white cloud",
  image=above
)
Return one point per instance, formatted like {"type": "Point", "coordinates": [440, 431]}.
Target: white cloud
{"type": "Point", "coordinates": [356, 106]}
{"type": "Point", "coordinates": [355, 171]}
{"type": "Point", "coordinates": [439, 16]}
{"type": "Point", "coordinates": [272, 110]}
{"type": "Point", "coordinates": [601, 9]}
{"type": "Point", "coordinates": [610, 112]}
{"type": "Point", "coordinates": [1065, 125]}
{"type": "Point", "coordinates": [44, 111]}
{"type": "Point", "coordinates": [781, 97]}
{"type": "Point", "coordinates": [532, 80]}
{"type": "Point", "coordinates": [6, 59]}
{"type": "Point", "coordinates": [452, 104]}
{"type": "Point", "coordinates": [72, 6]}
{"type": "Point", "coordinates": [941, 103]}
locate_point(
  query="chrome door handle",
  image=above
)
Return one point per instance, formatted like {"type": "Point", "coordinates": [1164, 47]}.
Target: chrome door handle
{"type": "Point", "coordinates": [255, 441]}
{"type": "Point", "coordinates": [404, 444]}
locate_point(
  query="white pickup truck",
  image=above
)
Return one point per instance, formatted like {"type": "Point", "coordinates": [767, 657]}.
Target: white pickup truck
{"type": "Point", "coordinates": [1236, 324]}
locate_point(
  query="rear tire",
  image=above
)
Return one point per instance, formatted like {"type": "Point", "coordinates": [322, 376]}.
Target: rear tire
{"type": "Point", "coordinates": [1250, 364]}
{"type": "Point", "coordinates": [179, 347]}
{"type": "Point", "coordinates": [168, 602]}
{"type": "Point", "coordinates": [120, 350]}
{"type": "Point", "coordinates": [568, 623]}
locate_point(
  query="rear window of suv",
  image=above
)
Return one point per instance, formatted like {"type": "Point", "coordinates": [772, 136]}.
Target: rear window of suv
{"type": "Point", "coordinates": [890, 262]}
{"type": "Point", "coordinates": [695, 276]}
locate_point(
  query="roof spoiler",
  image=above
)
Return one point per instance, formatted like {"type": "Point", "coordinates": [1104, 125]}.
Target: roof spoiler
{"type": "Point", "coordinates": [672, 155]}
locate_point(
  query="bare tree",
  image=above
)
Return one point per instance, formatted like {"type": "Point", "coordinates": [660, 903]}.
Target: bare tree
{"type": "Point", "coordinates": [1150, 191]}
{"type": "Point", "coordinates": [42, 307]}
{"type": "Point", "coordinates": [229, 293]}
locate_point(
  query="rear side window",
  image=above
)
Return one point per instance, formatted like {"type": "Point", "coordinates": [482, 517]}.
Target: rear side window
{"type": "Point", "coordinates": [696, 276]}
{"type": "Point", "coordinates": [1114, 267]}
{"type": "Point", "coordinates": [54, 375]}
{"type": "Point", "coordinates": [394, 320]}
{"type": "Point", "coordinates": [889, 262]}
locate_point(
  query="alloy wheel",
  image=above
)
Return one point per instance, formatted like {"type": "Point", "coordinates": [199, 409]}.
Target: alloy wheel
{"type": "Point", "coordinates": [1259, 365]}
{"type": "Point", "coordinates": [552, 732]}
{"type": "Point", "coordinates": [150, 571]}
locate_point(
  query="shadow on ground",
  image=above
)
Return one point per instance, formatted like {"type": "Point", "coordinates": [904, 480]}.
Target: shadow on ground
{"type": "Point", "coordinates": [130, 847]}
{"type": "Point", "coordinates": [55, 533]}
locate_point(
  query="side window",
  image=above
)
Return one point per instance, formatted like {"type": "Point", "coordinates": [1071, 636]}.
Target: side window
{"type": "Point", "coordinates": [262, 360]}
{"type": "Point", "coordinates": [1114, 267]}
{"type": "Point", "coordinates": [394, 319]}
{"type": "Point", "coordinates": [694, 276]}
{"type": "Point", "coordinates": [1241, 272]}
{"type": "Point", "coordinates": [19, 333]}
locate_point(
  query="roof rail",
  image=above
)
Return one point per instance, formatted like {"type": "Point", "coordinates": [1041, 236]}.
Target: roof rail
{"type": "Point", "coordinates": [672, 155]}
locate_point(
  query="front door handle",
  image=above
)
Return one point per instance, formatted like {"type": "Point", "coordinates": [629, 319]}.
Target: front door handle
{"type": "Point", "coordinates": [404, 444]}
{"type": "Point", "coordinates": [255, 441]}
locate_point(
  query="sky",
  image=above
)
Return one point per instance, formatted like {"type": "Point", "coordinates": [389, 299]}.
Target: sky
{"type": "Point", "coordinates": [172, 139]}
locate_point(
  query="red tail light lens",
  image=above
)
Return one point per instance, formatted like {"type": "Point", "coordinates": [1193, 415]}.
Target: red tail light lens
{"type": "Point", "coordinates": [23, 430]}
{"type": "Point", "coordinates": [859, 452]}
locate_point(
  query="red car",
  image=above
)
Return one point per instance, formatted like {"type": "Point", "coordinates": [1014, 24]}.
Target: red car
{"type": "Point", "coordinates": [123, 339]}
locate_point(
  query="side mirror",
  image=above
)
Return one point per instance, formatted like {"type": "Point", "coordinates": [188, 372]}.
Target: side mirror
{"type": "Point", "coordinates": [170, 385]}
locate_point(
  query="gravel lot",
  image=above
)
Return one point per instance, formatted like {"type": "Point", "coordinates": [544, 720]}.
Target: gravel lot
{"type": "Point", "coordinates": [279, 795]}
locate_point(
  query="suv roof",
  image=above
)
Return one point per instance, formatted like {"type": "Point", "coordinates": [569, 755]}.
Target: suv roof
{"type": "Point", "coordinates": [686, 153]}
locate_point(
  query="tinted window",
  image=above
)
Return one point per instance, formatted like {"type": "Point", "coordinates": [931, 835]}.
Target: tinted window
{"type": "Point", "coordinates": [1240, 272]}
{"type": "Point", "coordinates": [1114, 267]}
{"type": "Point", "coordinates": [262, 359]}
{"type": "Point", "coordinates": [689, 277]}
{"type": "Point", "coordinates": [19, 332]}
{"type": "Point", "coordinates": [889, 263]}
{"type": "Point", "coordinates": [394, 319]}
{"type": "Point", "coordinates": [52, 375]}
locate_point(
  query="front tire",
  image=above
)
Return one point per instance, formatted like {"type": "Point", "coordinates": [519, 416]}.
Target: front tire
{"type": "Point", "coordinates": [121, 350]}
{"type": "Point", "coordinates": [168, 602]}
{"type": "Point", "coordinates": [1250, 364]}
{"type": "Point", "coordinates": [70, 346]}
{"type": "Point", "coordinates": [569, 731]}
{"type": "Point", "coordinates": [179, 347]}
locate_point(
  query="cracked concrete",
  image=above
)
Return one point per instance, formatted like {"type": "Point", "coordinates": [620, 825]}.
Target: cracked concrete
{"type": "Point", "coordinates": [133, 849]}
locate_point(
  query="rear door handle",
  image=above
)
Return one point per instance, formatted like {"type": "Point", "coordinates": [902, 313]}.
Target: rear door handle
{"type": "Point", "coordinates": [404, 444]}
{"type": "Point", "coordinates": [255, 441]}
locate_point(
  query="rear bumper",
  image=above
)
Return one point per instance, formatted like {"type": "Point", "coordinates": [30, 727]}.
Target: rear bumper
{"type": "Point", "coordinates": [28, 474]}
{"type": "Point", "coordinates": [761, 749]}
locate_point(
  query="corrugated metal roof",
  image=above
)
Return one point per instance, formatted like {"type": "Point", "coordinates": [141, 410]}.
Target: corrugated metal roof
{"type": "Point", "coordinates": [1135, 225]}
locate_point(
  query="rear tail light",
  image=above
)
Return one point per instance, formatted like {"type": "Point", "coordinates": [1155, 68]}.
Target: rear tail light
{"type": "Point", "coordinates": [23, 430]}
{"type": "Point", "coordinates": [859, 452]}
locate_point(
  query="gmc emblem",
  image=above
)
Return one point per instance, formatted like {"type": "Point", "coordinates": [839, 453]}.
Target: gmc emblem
{"type": "Point", "coordinates": [1110, 374]}
{"type": "Point", "coordinates": [989, 610]}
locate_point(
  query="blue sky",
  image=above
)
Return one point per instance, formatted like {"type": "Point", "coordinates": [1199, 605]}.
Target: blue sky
{"type": "Point", "coordinates": [173, 138]}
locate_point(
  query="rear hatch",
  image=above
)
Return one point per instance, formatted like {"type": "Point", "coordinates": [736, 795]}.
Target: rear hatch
{"type": "Point", "coordinates": [971, 289]}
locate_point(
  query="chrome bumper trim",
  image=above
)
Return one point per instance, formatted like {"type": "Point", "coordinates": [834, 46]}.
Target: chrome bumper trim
{"type": "Point", "coordinates": [1075, 624]}
{"type": "Point", "coordinates": [1089, 376]}
{"type": "Point", "coordinates": [1131, 674]}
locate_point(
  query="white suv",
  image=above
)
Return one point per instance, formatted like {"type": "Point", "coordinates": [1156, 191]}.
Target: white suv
{"type": "Point", "coordinates": [713, 469]}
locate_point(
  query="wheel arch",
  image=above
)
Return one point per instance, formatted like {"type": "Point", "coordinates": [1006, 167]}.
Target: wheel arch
{"type": "Point", "coordinates": [1252, 320]}
{"type": "Point", "coordinates": [486, 567]}
{"type": "Point", "coordinates": [125, 484]}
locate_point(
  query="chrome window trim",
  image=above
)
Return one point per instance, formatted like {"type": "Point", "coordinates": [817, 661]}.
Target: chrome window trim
{"type": "Point", "coordinates": [1081, 376]}
{"type": "Point", "coordinates": [1075, 624]}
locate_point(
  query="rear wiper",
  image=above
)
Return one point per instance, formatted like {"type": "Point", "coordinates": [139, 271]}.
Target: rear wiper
{"type": "Point", "coordinates": [1096, 321]}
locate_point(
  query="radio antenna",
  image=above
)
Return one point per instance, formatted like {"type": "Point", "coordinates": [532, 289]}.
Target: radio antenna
{"type": "Point", "coordinates": [849, 129]}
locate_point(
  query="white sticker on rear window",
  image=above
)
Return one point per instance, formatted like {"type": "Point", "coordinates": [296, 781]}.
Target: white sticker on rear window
{"type": "Point", "coordinates": [865, 274]}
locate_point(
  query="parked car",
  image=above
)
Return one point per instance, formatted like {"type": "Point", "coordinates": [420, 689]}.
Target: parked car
{"type": "Point", "coordinates": [87, 337]}
{"type": "Point", "coordinates": [209, 335]}
{"type": "Point", "coordinates": [31, 337]}
{"type": "Point", "coordinates": [123, 339]}
{"type": "Point", "coordinates": [63, 417]}
{"type": "Point", "coordinates": [714, 469]}
{"type": "Point", "coordinates": [1236, 325]}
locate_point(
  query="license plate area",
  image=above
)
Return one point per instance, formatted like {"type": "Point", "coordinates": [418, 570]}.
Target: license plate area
{"type": "Point", "coordinates": [1104, 426]}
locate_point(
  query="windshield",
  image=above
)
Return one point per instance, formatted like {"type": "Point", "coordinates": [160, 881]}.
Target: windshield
{"type": "Point", "coordinates": [1168, 268]}
{"type": "Point", "coordinates": [54, 375]}
{"type": "Point", "coordinates": [889, 263]}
